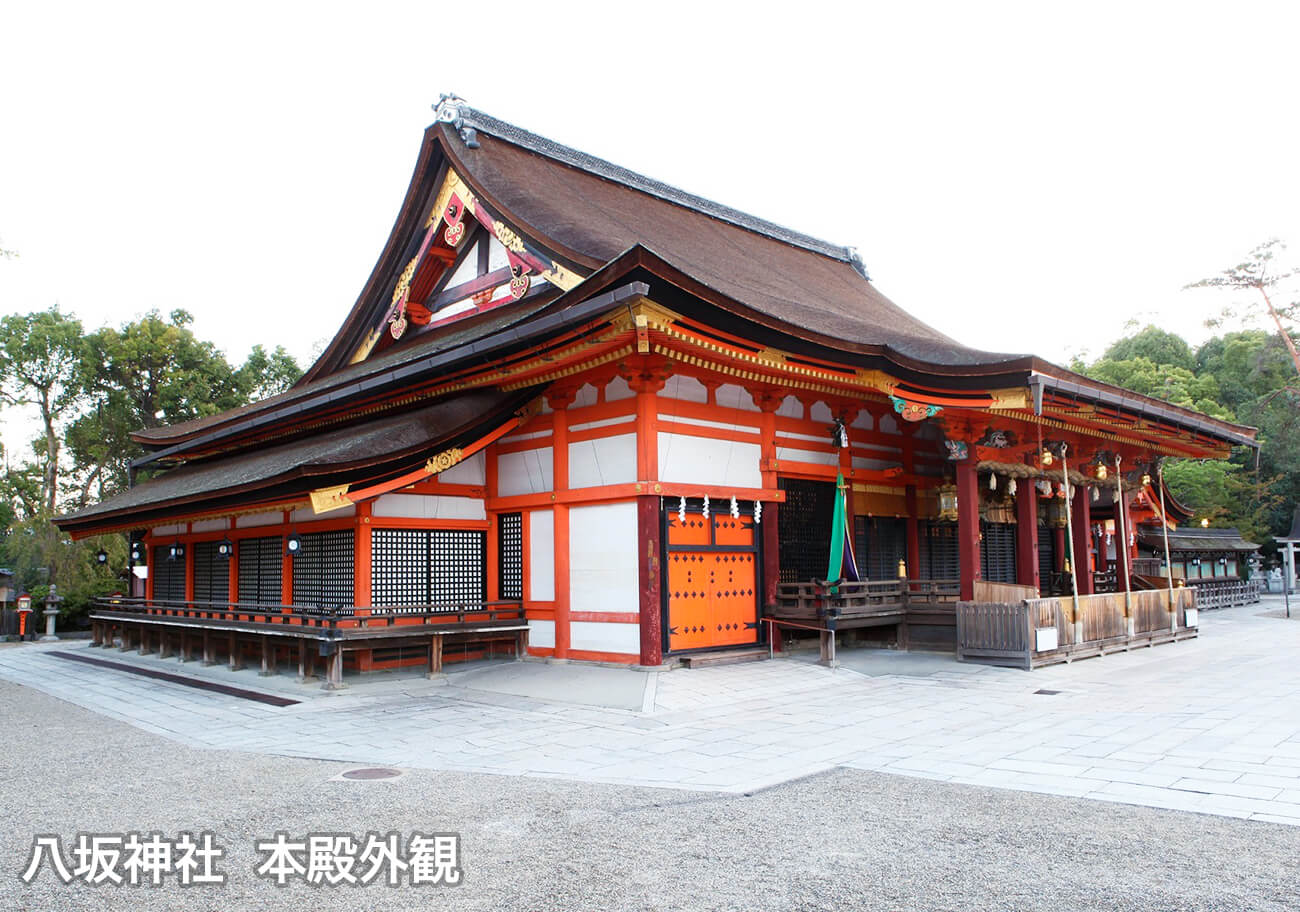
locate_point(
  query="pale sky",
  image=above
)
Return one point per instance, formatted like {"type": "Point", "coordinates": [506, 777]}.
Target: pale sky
{"type": "Point", "coordinates": [1025, 177]}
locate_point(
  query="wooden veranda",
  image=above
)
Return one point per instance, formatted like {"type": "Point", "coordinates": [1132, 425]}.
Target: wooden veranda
{"type": "Point", "coordinates": [267, 633]}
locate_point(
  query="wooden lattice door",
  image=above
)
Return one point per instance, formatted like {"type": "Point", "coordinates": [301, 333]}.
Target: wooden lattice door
{"type": "Point", "coordinates": [712, 581]}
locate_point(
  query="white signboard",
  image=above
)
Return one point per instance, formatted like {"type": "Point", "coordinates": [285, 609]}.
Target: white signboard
{"type": "Point", "coordinates": [1191, 617]}
{"type": "Point", "coordinates": [1045, 639]}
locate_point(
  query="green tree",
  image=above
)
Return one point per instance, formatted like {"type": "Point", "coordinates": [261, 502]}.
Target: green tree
{"type": "Point", "coordinates": [264, 375]}
{"type": "Point", "coordinates": [1155, 345]}
{"type": "Point", "coordinates": [1259, 273]}
{"type": "Point", "coordinates": [39, 363]}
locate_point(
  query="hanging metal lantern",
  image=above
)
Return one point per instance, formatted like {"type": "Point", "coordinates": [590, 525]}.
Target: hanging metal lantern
{"type": "Point", "coordinates": [948, 502]}
{"type": "Point", "coordinates": [225, 549]}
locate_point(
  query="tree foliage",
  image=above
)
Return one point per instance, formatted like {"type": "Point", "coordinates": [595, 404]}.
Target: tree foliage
{"type": "Point", "coordinates": [92, 390]}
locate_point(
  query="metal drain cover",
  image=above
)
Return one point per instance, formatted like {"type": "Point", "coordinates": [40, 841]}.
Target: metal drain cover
{"type": "Point", "coordinates": [372, 772]}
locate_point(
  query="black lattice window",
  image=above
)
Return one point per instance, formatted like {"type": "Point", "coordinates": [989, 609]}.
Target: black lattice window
{"type": "Point", "coordinates": [428, 567]}
{"type": "Point", "coordinates": [322, 570]}
{"type": "Point", "coordinates": [457, 566]}
{"type": "Point", "coordinates": [510, 559]}
{"type": "Point", "coordinates": [804, 529]}
{"type": "Point", "coordinates": [998, 552]}
{"type": "Point", "coordinates": [399, 564]}
{"type": "Point", "coordinates": [940, 555]}
{"type": "Point", "coordinates": [260, 566]}
{"type": "Point", "coordinates": [211, 574]}
{"type": "Point", "coordinates": [168, 575]}
{"type": "Point", "coordinates": [879, 543]}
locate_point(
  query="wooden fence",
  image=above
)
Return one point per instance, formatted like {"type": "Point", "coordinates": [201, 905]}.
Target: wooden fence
{"type": "Point", "coordinates": [1042, 631]}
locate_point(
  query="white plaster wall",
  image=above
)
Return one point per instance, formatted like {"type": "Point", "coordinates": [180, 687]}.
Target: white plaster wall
{"type": "Point", "coordinates": [730, 395]}
{"type": "Point", "coordinates": [525, 472]}
{"type": "Point", "coordinates": [428, 506]}
{"type": "Point", "coordinates": [704, 422]}
{"type": "Point", "coordinates": [598, 637]}
{"type": "Point", "coordinates": [686, 388]}
{"type": "Point", "coordinates": [541, 634]}
{"type": "Point", "coordinates": [603, 461]}
{"type": "Point", "coordinates": [603, 552]}
{"type": "Point", "coordinates": [889, 424]}
{"type": "Point", "coordinates": [586, 395]}
{"type": "Point", "coordinates": [210, 525]}
{"type": "Point", "coordinates": [258, 519]}
{"type": "Point", "coordinates": [863, 420]}
{"type": "Point", "coordinates": [307, 514]}
{"type": "Point", "coordinates": [541, 556]}
{"type": "Point", "coordinates": [178, 529]}
{"type": "Point", "coordinates": [819, 457]}
{"type": "Point", "coordinates": [791, 407]}
{"type": "Point", "coordinates": [618, 389]}
{"type": "Point", "coordinates": [820, 411]}
{"type": "Point", "coordinates": [471, 471]}
{"type": "Point", "coordinates": [862, 463]}
{"type": "Point", "coordinates": [705, 461]}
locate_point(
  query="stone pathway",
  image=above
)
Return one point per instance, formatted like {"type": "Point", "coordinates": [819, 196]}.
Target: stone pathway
{"type": "Point", "coordinates": [1211, 725]}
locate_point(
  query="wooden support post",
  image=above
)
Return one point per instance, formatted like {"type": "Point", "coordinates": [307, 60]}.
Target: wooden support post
{"type": "Point", "coordinates": [913, 528]}
{"type": "Point", "coordinates": [434, 667]}
{"type": "Point", "coordinates": [268, 658]}
{"type": "Point", "coordinates": [306, 661]}
{"type": "Point", "coordinates": [648, 575]}
{"type": "Point", "coordinates": [126, 639]}
{"type": "Point", "coordinates": [828, 648]}
{"type": "Point", "coordinates": [144, 641]}
{"type": "Point", "coordinates": [164, 644]}
{"type": "Point", "coordinates": [236, 661]}
{"type": "Point", "coordinates": [1027, 569]}
{"type": "Point", "coordinates": [334, 669]}
{"type": "Point", "coordinates": [559, 401]}
{"type": "Point", "coordinates": [209, 654]}
{"type": "Point", "coordinates": [184, 642]}
{"type": "Point", "coordinates": [96, 634]}
{"type": "Point", "coordinates": [521, 644]}
{"type": "Point", "coordinates": [968, 525]}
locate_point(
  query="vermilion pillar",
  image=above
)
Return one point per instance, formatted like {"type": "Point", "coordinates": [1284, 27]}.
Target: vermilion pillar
{"type": "Point", "coordinates": [648, 533]}
{"type": "Point", "coordinates": [361, 572]}
{"type": "Point", "coordinates": [559, 401]}
{"type": "Point", "coordinates": [968, 526]}
{"type": "Point", "coordinates": [1027, 534]}
{"type": "Point", "coordinates": [913, 526]}
{"type": "Point", "coordinates": [1082, 523]}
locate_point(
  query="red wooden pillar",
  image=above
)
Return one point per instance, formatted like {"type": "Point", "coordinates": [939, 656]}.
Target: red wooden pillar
{"type": "Point", "coordinates": [913, 535]}
{"type": "Point", "coordinates": [1082, 523]}
{"type": "Point", "coordinates": [189, 565]}
{"type": "Point", "coordinates": [286, 565]}
{"type": "Point", "coordinates": [232, 568]}
{"type": "Point", "coordinates": [648, 533]}
{"type": "Point", "coordinates": [1027, 534]}
{"type": "Point", "coordinates": [559, 401]}
{"type": "Point", "coordinates": [1058, 533]}
{"type": "Point", "coordinates": [968, 525]}
{"type": "Point", "coordinates": [361, 571]}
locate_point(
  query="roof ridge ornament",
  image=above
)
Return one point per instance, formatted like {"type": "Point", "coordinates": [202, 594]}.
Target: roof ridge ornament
{"type": "Point", "coordinates": [855, 260]}
{"type": "Point", "coordinates": [451, 109]}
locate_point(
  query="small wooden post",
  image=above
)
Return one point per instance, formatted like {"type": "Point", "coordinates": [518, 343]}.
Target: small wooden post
{"type": "Point", "coordinates": [434, 669]}
{"type": "Point", "coordinates": [268, 658]}
{"type": "Point", "coordinates": [305, 662]}
{"type": "Point", "coordinates": [236, 661]}
{"type": "Point", "coordinates": [334, 666]}
{"type": "Point", "coordinates": [164, 644]}
{"type": "Point", "coordinates": [144, 641]}
{"type": "Point", "coordinates": [209, 655]}
{"type": "Point", "coordinates": [126, 639]}
{"type": "Point", "coordinates": [96, 634]}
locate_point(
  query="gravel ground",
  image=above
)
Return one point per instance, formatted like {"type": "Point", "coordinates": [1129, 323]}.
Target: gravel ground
{"type": "Point", "coordinates": [843, 840]}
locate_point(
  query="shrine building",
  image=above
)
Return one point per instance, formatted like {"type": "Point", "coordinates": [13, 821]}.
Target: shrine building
{"type": "Point", "coordinates": [582, 414]}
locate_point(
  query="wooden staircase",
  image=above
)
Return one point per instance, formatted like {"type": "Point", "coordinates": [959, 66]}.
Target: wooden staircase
{"type": "Point", "coordinates": [724, 657]}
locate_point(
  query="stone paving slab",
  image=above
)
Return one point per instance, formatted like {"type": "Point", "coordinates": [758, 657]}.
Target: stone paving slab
{"type": "Point", "coordinates": [1210, 725]}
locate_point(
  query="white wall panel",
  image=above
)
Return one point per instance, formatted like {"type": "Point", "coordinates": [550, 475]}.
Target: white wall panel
{"type": "Point", "coordinates": [177, 529]}
{"type": "Point", "coordinates": [705, 461]}
{"type": "Point", "coordinates": [541, 555]}
{"type": "Point", "coordinates": [820, 411]}
{"type": "Point", "coordinates": [307, 514]}
{"type": "Point", "coordinates": [525, 472]}
{"type": "Point", "coordinates": [603, 553]}
{"type": "Point", "coordinates": [814, 456]}
{"type": "Point", "coordinates": [541, 634]}
{"type": "Point", "coordinates": [680, 386]}
{"type": "Point", "coordinates": [258, 519]}
{"type": "Point", "coordinates": [603, 461]}
{"type": "Point", "coordinates": [618, 389]}
{"type": "Point", "coordinates": [731, 396]}
{"type": "Point", "coordinates": [210, 525]}
{"type": "Point", "coordinates": [428, 506]}
{"type": "Point", "coordinates": [791, 407]}
{"type": "Point", "coordinates": [471, 471]}
{"type": "Point", "coordinates": [597, 637]}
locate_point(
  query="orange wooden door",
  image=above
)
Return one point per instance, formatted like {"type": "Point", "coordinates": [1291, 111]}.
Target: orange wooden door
{"type": "Point", "coordinates": [712, 582]}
